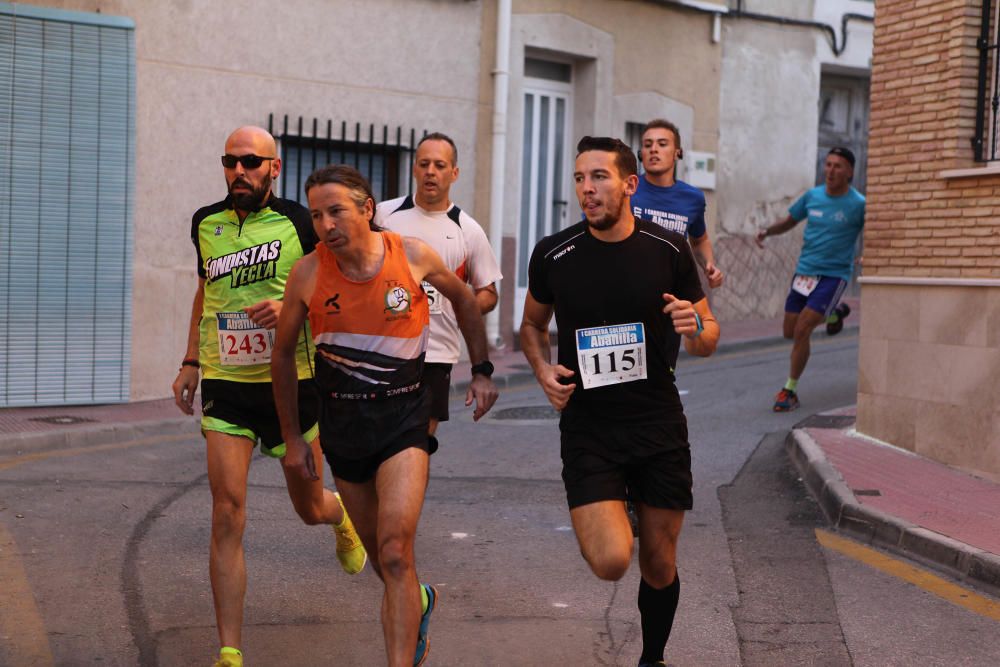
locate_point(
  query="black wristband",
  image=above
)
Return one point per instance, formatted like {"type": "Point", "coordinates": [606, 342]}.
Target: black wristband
{"type": "Point", "coordinates": [191, 362]}
{"type": "Point", "coordinates": [483, 368]}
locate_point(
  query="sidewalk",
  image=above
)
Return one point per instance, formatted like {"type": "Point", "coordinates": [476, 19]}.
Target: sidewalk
{"type": "Point", "coordinates": [899, 501]}
{"type": "Point", "coordinates": [878, 494]}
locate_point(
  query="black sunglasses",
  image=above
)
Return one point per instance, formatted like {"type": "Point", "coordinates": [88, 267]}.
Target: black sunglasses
{"type": "Point", "coordinates": [250, 161]}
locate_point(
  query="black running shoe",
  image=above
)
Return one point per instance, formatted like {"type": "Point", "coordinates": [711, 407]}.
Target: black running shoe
{"type": "Point", "coordinates": [836, 323]}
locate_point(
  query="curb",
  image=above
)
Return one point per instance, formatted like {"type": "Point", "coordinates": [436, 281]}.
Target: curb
{"type": "Point", "coordinates": [97, 434]}
{"type": "Point", "coordinates": [878, 529]}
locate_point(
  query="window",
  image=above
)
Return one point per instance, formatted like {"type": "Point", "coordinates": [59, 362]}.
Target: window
{"type": "Point", "coordinates": [550, 70]}
{"type": "Point", "coordinates": [382, 159]}
{"type": "Point", "coordinates": [67, 139]}
{"type": "Point", "coordinates": [986, 142]}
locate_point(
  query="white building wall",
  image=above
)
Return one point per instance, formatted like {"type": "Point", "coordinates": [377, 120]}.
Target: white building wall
{"type": "Point", "coordinates": [856, 55]}
{"type": "Point", "coordinates": [205, 67]}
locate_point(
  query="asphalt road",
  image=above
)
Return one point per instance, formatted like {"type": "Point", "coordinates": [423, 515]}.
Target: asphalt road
{"type": "Point", "coordinates": [103, 554]}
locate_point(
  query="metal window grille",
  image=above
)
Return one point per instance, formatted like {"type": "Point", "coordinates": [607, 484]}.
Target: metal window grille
{"type": "Point", "coordinates": [382, 156]}
{"type": "Point", "coordinates": [985, 142]}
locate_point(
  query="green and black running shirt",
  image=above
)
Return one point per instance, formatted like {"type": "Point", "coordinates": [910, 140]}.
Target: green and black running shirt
{"type": "Point", "coordinates": [243, 264]}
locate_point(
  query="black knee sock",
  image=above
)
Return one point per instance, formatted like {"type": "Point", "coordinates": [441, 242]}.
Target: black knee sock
{"type": "Point", "coordinates": [657, 608]}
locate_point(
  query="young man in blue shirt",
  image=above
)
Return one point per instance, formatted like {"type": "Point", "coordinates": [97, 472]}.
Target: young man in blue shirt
{"type": "Point", "coordinates": [670, 203]}
{"type": "Point", "coordinates": [836, 214]}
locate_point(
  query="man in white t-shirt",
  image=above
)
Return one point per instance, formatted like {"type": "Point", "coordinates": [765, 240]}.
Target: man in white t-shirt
{"type": "Point", "coordinates": [429, 215]}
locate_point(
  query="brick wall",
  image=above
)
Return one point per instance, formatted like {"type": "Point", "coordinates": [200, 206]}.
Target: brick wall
{"type": "Point", "coordinates": [923, 104]}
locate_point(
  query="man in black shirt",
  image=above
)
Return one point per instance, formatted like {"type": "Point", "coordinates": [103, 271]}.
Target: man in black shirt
{"type": "Point", "coordinates": [624, 293]}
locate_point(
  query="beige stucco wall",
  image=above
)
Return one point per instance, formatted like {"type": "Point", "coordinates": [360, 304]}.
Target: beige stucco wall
{"type": "Point", "coordinates": [927, 372]}
{"type": "Point", "coordinates": [662, 50]}
{"type": "Point", "coordinates": [633, 60]}
{"type": "Point", "coordinates": [205, 67]}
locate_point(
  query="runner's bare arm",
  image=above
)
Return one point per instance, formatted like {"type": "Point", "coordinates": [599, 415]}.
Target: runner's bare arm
{"type": "Point", "coordinates": [702, 247]}
{"type": "Point", "coordinates": [284, 372]}
{"type": "Point", "coordinates": [535, 345]}
{"type": "Point", "coordinates": [682, 314]}
{"type": "Point", "coordinates": [186, 382]}
{"type": "Point", "coordinates": [425, 264]}
{"type": "Point", "coordinates": [775, 229]}
{"type": "Point", "coordinates": [486, 298]}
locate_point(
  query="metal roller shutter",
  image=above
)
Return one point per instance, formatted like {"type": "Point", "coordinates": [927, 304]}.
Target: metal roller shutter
{"type": "Point", "coordinates": [67, 137]}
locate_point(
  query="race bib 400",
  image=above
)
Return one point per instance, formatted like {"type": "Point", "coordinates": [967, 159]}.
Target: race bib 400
{"type": "Point", "coordinates": [611, 354]}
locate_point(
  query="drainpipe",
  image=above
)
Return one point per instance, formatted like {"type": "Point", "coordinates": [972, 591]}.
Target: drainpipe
{"type": "Point", "coordinates": [715, 10]}
{"type": "Point", "coordinates": [501, 86]}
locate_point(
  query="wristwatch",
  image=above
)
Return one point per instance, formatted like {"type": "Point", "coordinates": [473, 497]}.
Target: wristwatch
{"type": "Point", "coordinates": [483, 368]}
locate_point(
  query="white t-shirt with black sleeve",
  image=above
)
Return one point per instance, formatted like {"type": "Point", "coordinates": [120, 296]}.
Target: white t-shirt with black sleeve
{"type": "Point", "coordinates": [612, 332]}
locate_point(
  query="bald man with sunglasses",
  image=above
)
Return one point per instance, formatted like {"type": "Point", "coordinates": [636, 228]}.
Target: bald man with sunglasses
{"type": "Point", "coordinates": [246, 246]}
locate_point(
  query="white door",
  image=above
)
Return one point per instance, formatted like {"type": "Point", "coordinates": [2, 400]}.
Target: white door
{"type": "Point", "coordinates": [546, 170]}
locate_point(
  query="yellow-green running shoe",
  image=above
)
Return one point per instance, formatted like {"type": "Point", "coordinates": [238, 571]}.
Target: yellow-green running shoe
{"type": "Point", "coordinates": [229, 660]}
{"type": "Point", "coordinates": [350, 552]}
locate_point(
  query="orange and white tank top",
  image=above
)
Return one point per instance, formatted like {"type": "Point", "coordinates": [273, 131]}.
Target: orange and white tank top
{"type": "Point", "coordinates": [370, 336]}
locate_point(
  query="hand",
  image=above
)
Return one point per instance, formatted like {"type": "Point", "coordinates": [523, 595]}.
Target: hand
{"type": "Point", "coordinates": [760, 236]}
{"type": "Point", "coordinates": [713, 274]}
{"type": "Point", "coordinates": [299, 459]}
{"type": "Point", "coordinates": [557, 392]}
{"type": "Point", "coordinates": [484, 393]}
{"type": "Point", "coordinates": [184, 387]}
{"type": "Point", "coordinates": [264, 313]}
{"type": "Point", "coordinates": [681, 314]}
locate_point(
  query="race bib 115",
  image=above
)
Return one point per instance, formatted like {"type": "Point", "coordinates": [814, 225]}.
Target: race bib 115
{"type": "Point", "coordinates": [611, 354]}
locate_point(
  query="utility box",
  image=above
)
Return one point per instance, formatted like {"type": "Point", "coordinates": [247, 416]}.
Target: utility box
{"type": "Point", "coordinates": [700, 169]}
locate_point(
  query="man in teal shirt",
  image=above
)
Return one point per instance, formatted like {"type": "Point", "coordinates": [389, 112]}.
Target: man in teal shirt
{"type": "Point", "coordinates": [836, 215]}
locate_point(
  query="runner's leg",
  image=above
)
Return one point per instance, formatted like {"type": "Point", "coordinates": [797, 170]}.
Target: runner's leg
{"type": "Point", "coordinates": [659, 590]}
{"type": "Point", "coordinates": [228, 466]}
{"type": "Point", "coordinates": [313, 502]}
{"type": "Point", "coordinates": [788, 325]}
{"type": "Point", "coordinates": [400, 484]}
{"type": "Point", "coordinates": [808, 320]}
{"type": "Point", "coordinates": [361, 502]}
{"type": "Point", "coordinates": [605, 537]}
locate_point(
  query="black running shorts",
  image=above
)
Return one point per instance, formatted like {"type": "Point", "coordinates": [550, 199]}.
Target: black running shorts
{"type": "Point", "coordinates": [358, 436]}
{"type": "Point", "coordinates": [437, 379]}
{"type": "Point", "coordinates": [247, 409]}
{"type": "Point", "coordinates": [648, 464]}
